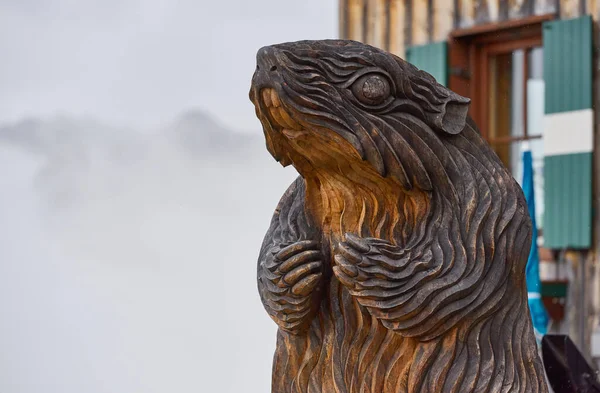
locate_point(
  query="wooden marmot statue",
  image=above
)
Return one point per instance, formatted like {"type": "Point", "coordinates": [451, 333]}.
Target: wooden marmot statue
{"type": "Point", "coordinates": [396, 262]}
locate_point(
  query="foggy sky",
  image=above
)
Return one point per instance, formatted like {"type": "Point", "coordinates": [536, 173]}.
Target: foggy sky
{"type": "Point", "coordinates": [128, 259]}
{"type": "Point", "coordinates": [130, 222]}
{"type": "Point", "coordinates": [141, 62]}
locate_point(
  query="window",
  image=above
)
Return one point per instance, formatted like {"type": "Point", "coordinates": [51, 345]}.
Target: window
{"type": "Point", "coordinates": [501, 68]}
{"type": "Point", "coordinates": [515, 113]}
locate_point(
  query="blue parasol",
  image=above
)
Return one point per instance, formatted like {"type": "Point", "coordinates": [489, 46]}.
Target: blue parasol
{"type": "Point", "coordinates": [532, 271]}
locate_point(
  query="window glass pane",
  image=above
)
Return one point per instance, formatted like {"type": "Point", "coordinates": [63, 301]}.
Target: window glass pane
{"type": "Point", "coordinates": [536, 63]}
{"type": "Point", "coordinates": [517, 92]}
{"type": "Point", "coordinates": [510, 89]}
{"type": "Point", "coordinates": [535, 119]}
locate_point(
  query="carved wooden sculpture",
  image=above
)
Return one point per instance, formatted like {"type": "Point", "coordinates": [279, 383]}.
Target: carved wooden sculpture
{"type": "Point", "coordinates": [396, 262]}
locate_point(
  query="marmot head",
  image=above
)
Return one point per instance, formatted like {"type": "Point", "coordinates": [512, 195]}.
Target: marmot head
{"type": "Point", "coordinates": [349, 97]}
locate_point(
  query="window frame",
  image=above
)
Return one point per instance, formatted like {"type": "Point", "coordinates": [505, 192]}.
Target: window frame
{"type": "Point", "coordinates": [469, 52]}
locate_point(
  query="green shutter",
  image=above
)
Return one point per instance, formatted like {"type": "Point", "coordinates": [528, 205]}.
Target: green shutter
{"type": "Point", "coordinates": [432, 58]}
{"type": "Point", "coordinates": [568, 64]}
{"type": "Point", "coordinates": [568, 133]}
{"type": "Point", "coordinates": [567, 215]}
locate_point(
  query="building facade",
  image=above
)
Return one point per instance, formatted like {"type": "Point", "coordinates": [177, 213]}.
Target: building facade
{"type": "Point", "coordinates": [530, 68]}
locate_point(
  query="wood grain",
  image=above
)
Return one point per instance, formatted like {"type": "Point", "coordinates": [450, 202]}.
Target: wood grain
{"type": "Point", "coordinates": [420, 22]}
{"type": "Point", "coordinates": [443, 19]}
{"type": "Point", "coordinates": [543, 7]}
{"type": "Point", "coordinates": [396, 30]}
{"type": "Point", "coordinates": [377, 24]}
{"type": "Point", "coordinates": [520, 8]}
{"type": "Point", "coordinates": [396, 261]}
{"type": "Point", "coordinates": [466, 13]}
{"type": "Point", "coordinates": [343, 24]}
{"type": "Point", "coordinates": [571, 8]}
{"type": "Point", "coordinates": [355, 18]}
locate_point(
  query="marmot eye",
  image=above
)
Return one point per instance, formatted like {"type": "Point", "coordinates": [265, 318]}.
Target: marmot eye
{"type": "Point", "coordinates": [371, 89]}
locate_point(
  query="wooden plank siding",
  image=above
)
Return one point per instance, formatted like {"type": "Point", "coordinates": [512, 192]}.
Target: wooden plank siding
{"type": "Point", "coordinates": [443, 19]}
{"type": "Point", "coordinates": [543, 7]}
{"type": "Point", "coordinates": [420, 26]}
{"type": "Point", "coordinates": [486, 11]}
{"type": "Point", "coordinates": [520, 8]}
{"type": "Point", "coordinates": [395, 25]}
{"type": "Point", "coordinates": [572, 8]}
{"type": "Point", "coordinates": [396, 34]}
{"type": "Point", "coordinates": [377, 23]}
{"type": "Point", "coordinates": [466, 13]}
{"type": "Point", "coordinates": [592, 7]}
{"type": "Point", "coordinates": [343, 18]}
{"type": "Point", "coordinates": [354, 30]}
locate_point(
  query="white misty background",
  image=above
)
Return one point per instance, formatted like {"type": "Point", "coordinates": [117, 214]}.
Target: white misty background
{"type": "Point", "coordinates": [130, 225]}
{"type": "Point", "coordinates": [129, 258]}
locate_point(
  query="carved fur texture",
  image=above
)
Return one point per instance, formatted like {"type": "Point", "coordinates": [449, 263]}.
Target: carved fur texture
{"type": "Point", "coordinates": [396, 261]}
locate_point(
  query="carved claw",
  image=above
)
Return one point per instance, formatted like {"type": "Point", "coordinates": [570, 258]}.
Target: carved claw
{"type": "Point", "coordinates": [342, 263]}
{"type": "Point", "coordinates": [349, 253]}
{"type": "Point", "coordinates": [288, 281]}
{"type": "Point", "coordinates": [298, 260]}
{"type": "Point", "coordinates": [295, 275]}
{"type": "Point", "coordinates": [350, 275]}
{"type": "Point", "coordinates": [295, 248]}
{"type": "Point", "coordinates": [344, 278]}
{"type": "Point", "coordinates": [361, 266]}
{"type": "Point", "coordinates": [305, 286]}
{"type": "Point", "coordinates": [358, 243]}
{"type": "Point", "coordinates": [294, 263]}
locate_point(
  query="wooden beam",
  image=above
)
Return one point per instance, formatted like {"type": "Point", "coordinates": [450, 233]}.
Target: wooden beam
{"type": "Point", "coordinates": [481, 12]}
{"type": "Point", "coordinates": [571, 8]}
{"type": "Point", "coordinates": [443, 19]}
{"type": "Point", "coordinates": [387, 26]}
{"type": "Point", "coordinates": [408, 23]}
{"type": "Point", "coordinates": [591, 8]}
{"type": "Point", "coordinates": [430, 20]}
{"type": "Point", "coordinates": [487, 11]}
{"type": "Point", "coordinates": [365, 20]}
{"type": "Point", "coordinates": [420, 27]}
{"type": "Point", "coordinates": [503, 11]}
{"type": "Point", "coordinates": [494, 10]}
{"type": "Point", "coordinates": [509, 46]}
{"type": "Point", "coordinates": [542, 7]}
{"type": "Point", "coordinates": [396, 30]}
{"type": "Point", "coordinates": [342, 19]}
{"type": "Point", "coordinates": [370, 27]}
{"type": "Point", "coordinates": [520, 9]}
{"type": "Point", "coordinates": [355, 20]}
{"type": "Point", "coordinates": [376, 23]}
{"type": "Point", "coordinates": [494, 28]}
{"type": "Point", "coordinates": [466, 13]}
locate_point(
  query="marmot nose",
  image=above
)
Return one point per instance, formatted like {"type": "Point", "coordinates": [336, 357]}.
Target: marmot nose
{"type": "Point", "coordinates": [266, 66]}
{"type": "Point", "coordinates": [266, 59]}
{"type": "Point", "coordinates": [266, 75]}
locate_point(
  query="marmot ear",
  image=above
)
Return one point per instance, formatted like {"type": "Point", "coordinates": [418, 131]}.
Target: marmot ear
{"type": "Point", "coordinates": [444, 110]}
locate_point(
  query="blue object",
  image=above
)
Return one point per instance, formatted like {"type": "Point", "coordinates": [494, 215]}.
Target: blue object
{"type": "Point", "coordinates": [532, 271]}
